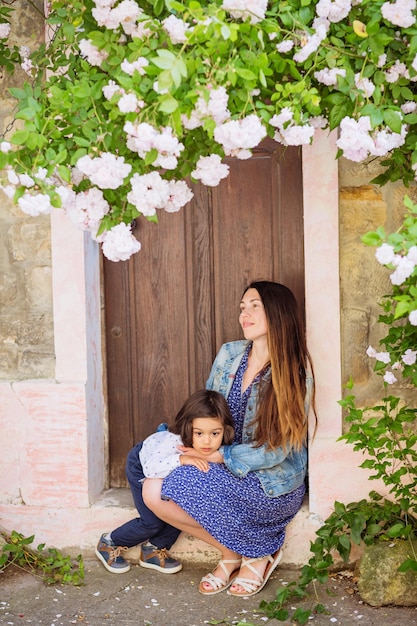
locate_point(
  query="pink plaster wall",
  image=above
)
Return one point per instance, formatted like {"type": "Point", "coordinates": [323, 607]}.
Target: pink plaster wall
{"type": "Point", "coordinates": [49, 445]}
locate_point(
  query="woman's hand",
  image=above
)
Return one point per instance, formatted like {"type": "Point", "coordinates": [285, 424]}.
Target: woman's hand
{"type": "Point", "coordinates": [200, 464]}
{"type": "Point", "coordinates": [214, 457]}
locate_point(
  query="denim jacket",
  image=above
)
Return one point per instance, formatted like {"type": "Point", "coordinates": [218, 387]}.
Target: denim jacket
{"type": "Point", "coordinates": [281, 470]}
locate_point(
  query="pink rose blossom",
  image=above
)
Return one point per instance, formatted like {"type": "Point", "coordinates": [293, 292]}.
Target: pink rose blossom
{"type": "Point", "coordinates": [242, 9]}
{"type": "Point", "coordinates": [210, 170]}
{"type": "Point", "coordinates": [409, 357]}
{"type": "Point", "coordinates": [93, 55]}
{"type": "Point", "coordinates": [413, 317]}
{"type": "Point", "coordinates": [399, 12]}
{"type": "Point", "coordinates": [333, 10]}
{"type": "Point", "coordinates": [179, 195]}
{"type": "Point", "coordinates": [238, 136]}
{"type": "Point", "coordinates": [149, 192]}
{"type": "Point", "coordinates": [36, 204]}
{"type": "Point", "coordinates": [119, 243]}
{"type": "Point", "coordinates": [176, 28]}
{"type": "Point", "coordinates": [4, 30]}
{"type": "Point", "coordinates": [385, 254]}
{"type": "Point", "coordinates": [389, 378]}
{"type": "Point", "coordinates": [106, 171]}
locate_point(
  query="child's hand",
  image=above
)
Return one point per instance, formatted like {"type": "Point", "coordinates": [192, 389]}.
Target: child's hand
{"type": "Point", "coordinates": [214, 457]}
{"type": "Point", "coordinates": [200, 464]}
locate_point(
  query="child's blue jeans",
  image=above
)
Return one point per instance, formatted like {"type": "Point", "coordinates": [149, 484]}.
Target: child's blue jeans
{"type": "Point", "coordinates": [147, 527]}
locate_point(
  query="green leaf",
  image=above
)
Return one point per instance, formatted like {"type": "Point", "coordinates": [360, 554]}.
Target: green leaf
{"type": "Point", "coordinates": [19, 94]}
{"type": "Point", "coordinates": [408, 565]}
{"type": "Point", "coordinates": [301, 615]}
{"type": "Point", "coordinates": [225, 31]}
{"type": "Point", "coordinates": [407, 93]}
{"type": "Point", "coordinates": [393, 120]}
{"type": "Point", "coordinates": [337, 113]}
{"type": "Point", "coordinates": [371, 239]}
{"type": "Point", "coordinates": [81, 141]}
{"type": "Point", "coordinates": [167, 103]}
{"type": "Point", "coordinates": [62, 156]}
{"type": "Point", "coordinates": [175, 6]}
{"type": "Point", "coordinates": [68, 30]}
{"type": "Point", "coordinates": [151, 156]}
{"type": "Point", "coordinates": [56, 200]}
{"type": "Point", "coordinates": [395, 531]}
{"type": "Point", "coordinates": [339, 508]}
{"type": "Point", "coordinates": [27, 113]}
{"type": "Point", "coordinates": [409, 203]}
{"type": "Point", "coordinates": [165, 59]}
{"type": "Point", "coordinates": [262, 78]}
{"type": "Point", "coordinates": [357, 526]}
{"type": "Point", "coordinates": [20, 137]}
{"type": "Point", "coordinates": [401, 309]}
{"type": "Point", "coordinates": [165, 80]}
{"type": "Point", "coordinates": [82, 90]}
{"type": "Point", "coordinates": [374, 113]}
{"type": "Point", "coordinates": [245, 73]}
{"type": "Point", "coordinates": [65, 173]}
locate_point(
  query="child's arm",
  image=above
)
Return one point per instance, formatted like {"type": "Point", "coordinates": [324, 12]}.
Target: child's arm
{"type": "Point", "coordinates": [214, 457]}
{"type": "Point", "coordinates": [200, 464]}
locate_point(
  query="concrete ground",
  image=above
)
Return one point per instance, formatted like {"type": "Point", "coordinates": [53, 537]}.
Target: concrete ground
{"type": "Point", "coordinates": [143, 597]}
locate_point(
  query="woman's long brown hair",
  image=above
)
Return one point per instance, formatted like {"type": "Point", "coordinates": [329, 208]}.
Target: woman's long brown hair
{"type": "Point", "coordinates": [280, 417]}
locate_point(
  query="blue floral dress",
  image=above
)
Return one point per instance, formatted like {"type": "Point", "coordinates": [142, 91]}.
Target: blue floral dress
{"type": "Point", "coordinates": [235, 511]}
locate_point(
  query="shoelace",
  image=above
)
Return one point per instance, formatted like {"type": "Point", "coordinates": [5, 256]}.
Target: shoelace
{"type": "Point", "coordinates": [116, 552]}
{"type": "Point", "coordinates": [162, 554]}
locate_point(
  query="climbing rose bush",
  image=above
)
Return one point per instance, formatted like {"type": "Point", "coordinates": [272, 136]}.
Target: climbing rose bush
{"type": "Point", "coordinates": [132, 100]}
{"type": "Point", "coordinates": [397, 252]}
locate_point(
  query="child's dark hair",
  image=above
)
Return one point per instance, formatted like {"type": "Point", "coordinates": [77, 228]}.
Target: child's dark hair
{"type": "Point", "coordinates": [203, 403]}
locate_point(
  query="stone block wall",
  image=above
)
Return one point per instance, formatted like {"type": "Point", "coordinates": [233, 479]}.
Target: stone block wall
{"type": "Point", "coordinates": [363, 281]}
{"type": "Point", "coordinates": [26, 323]}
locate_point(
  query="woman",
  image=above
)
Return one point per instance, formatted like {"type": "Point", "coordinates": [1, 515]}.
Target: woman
{"type": "Point", "coordinates": [256, 485]}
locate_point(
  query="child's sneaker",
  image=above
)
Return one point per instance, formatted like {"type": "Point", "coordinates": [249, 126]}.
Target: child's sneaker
{"type": "Point", "coordinates": [109, 555]}
{"type": "Point", "coordinates": [159, 559]}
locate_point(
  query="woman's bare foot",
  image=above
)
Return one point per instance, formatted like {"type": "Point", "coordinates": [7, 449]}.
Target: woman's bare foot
{"type": "Point", "coordinates": [247, 573]}
{"type": "Point", "coordinates": [254, 574]}
{"type": "Point", "coordinates": [220, 578]}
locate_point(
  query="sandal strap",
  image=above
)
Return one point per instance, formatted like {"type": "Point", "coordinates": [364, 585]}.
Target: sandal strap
{"type": "Point", "coordinates": [248, 563]}
{"type": "Point", "coordinates": [224, 568]}
{"type": "Point", "coordinates": [249, 585]}
{"type": "Point", "coordinates": [214, 581]}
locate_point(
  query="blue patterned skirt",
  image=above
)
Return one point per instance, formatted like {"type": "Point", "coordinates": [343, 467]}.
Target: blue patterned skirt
{"type": "Point", "coordinates": [235, 511]}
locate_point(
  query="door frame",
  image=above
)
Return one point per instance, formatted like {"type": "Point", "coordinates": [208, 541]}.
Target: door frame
{"type": "Point", "coordinates": [77, 306]}
{"type": "Point", "coordinates": [189, 272]}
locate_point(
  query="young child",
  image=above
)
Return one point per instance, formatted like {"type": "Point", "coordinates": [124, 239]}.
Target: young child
{"type": "Point", "coordinates": [204, 422]}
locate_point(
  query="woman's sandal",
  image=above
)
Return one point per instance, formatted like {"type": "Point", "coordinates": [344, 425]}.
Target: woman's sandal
{"type": "Point", "coordinates": [217, 584]}
{"type": "Point", "coordinates": [251, 586]}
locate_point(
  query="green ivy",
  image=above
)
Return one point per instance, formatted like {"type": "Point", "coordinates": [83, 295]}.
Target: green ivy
{"type": "Point", "coordinates": [51, 565]}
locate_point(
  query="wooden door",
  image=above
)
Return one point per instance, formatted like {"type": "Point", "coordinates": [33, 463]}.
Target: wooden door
{"type": "Point", "coordinates": [171, 306]}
